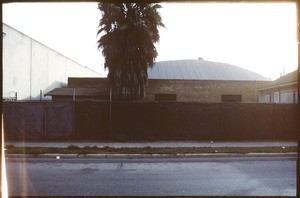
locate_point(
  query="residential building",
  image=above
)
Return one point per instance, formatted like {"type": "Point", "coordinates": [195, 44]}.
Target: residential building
{"type": "Point", "coordinates": [282, 90]}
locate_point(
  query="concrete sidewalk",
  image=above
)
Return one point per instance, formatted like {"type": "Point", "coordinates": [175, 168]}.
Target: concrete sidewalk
{"type": "Point", "coordinates": [157, 144]}
{"type": "Point", "coordinates": [161, 144]}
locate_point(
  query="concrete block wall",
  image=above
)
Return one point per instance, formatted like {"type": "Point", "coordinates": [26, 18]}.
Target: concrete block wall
{"type": "Point", "coordinates": [29, 66]}
{"type": "Point", "coordinates": [204, 90]}
{"type": "Point", "coordinates": [186, 90]}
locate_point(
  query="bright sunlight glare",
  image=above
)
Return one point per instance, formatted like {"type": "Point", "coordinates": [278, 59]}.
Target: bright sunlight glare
{"type": "Point", "coordinates": [260, 37]}
{"type": "Point", "coordinates": [4, 189]}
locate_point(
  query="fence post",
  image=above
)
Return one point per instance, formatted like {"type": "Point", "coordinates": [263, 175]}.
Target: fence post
{"type": "Point", "coordinates": [74, 94]}
{"type": "Point", "coordinates": [45, 120]}
{"type": "Point", "coordinates": [41, 95]}
{"type": "Point", "coordinates": [220, 130]}
{"type": "Point", "coordinates": [73, 112]}
{"type": "Point", "coordinates": [73, 120]}
{"type": "Point", "coordinates": [110, 99]}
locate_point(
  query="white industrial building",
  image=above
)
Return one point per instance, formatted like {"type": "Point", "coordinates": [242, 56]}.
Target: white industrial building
{"type": "Point", "coordinates": [31, 69]}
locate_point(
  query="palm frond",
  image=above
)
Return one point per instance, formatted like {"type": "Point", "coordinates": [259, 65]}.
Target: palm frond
{"type": "Point", "coordinates": [131, 29]}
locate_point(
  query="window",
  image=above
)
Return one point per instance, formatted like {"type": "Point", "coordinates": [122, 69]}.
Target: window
{"type": "Point", "coordinates": [165, 97]}
{"type": "Point", "coordinates": [231, 98]}
{"type": "Point", "coordinates": [276, 97]}
{"type": "Point", "coordinates": [267, 98]}
{"type": "Point", "coordinates": [287, 97]}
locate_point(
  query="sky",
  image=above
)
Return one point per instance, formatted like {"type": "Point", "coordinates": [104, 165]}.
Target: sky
{"type": "Point", "coordinates": [260, 37]}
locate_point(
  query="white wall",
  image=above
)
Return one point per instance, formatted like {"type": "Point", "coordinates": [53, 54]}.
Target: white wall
{"type": "Point", "coordinates": [285, 96]}
{"type": "Point", "coordinates": [29, 66]}
{"type": "Point", "coordinates": [264, 98]}
{"type": "Point", "coordinates": [288, 96]}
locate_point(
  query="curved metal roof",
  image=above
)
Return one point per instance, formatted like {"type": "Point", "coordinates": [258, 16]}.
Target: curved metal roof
{"type": "Point", "coordinates": [200, 70]}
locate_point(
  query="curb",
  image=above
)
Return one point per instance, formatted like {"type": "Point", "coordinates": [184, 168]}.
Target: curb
{"type": "Point", "coordinates": [135, 156]}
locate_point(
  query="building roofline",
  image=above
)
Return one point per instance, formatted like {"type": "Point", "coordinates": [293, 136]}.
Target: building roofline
{"type": "Point", "coordinates": [50, 48]}
{"type": "Point", "coordinates": [201, 70]}
{"type": "Point", "coordinates": [277, 86]}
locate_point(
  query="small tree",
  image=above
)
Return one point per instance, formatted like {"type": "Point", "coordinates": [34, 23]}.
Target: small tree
{"type": "Point", "coordinates": [131, 29]}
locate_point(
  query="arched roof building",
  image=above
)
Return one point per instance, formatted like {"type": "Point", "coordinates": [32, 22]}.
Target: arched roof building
{"type": "Point", "coordinates": [180, 80]}
{"type": "Point", "coordinates": [200, 69]}
{"type": "Point", "coordinates": [200, 80]}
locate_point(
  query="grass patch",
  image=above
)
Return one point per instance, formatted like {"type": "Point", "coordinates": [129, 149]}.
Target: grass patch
{"type": "Point", "coordinates": [146, 150]}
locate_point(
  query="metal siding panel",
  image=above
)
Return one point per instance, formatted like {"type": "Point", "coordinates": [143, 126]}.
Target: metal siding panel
{"type": "Point", "coordinates": [188, 71]}
{"type": "Point", "coordinates": [200, 70]}
{"type": "Point", "coordinates": [164, 72]}
{"type": "Point", "coordinates": [193, 70]}
{"type": "Point", "coordinates": [182, 72]}
{"type": "Point", "coordinates": [185, 72]}
{"type": "Point", "coordinates": [172, 70]}
{"type": "Point", "coordinates": [156, 73]}
{"type": "Point", "coordinates": [149, 72]}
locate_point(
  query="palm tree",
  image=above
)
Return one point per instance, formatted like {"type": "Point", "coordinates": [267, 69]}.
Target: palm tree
{"type": "Point", "coordinates": [130, 31]}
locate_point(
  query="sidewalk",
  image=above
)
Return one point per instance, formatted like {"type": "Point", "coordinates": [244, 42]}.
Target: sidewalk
{"type": "Point", "coordinates": [157, 144]}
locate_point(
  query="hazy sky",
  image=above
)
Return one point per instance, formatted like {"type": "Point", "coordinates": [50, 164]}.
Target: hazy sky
{"type": "Point", "coordinates": [258, 37]}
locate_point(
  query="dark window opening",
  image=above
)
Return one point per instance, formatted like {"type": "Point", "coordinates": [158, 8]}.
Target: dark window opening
{"type": "Point", "coordinates": [165, 97]}
{"type": "Point", "coordinates": [231, 98]}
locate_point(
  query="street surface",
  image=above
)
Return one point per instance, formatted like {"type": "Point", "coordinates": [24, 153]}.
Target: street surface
{"type": "Point", "coordinates": [231, 176]}
{"type": "Point", "coordinates": [162, 144]}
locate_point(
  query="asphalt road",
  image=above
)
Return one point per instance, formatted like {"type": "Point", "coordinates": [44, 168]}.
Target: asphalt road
{"type": "Point", "coordinates": [232, 176]}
